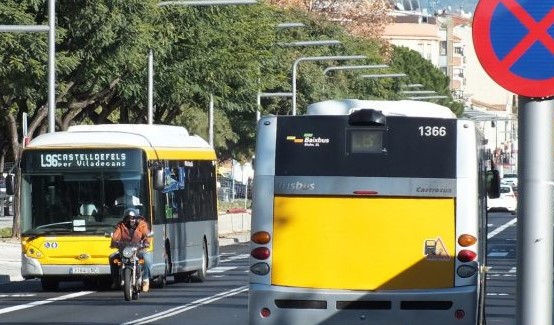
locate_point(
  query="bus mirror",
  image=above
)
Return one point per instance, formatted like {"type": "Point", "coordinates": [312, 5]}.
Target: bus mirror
{"type": "Point", "coordinates": [493, 184]}
{"type": "Point", "coordinates": [10, 184]}
{"type": "Point", "coordinates": [158, 179]}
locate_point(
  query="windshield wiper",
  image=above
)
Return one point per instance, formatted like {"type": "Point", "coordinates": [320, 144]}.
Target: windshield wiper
{"type": "Point", "coordinates": [32, 234]}
{"type": "Point", "coordinates": [55, 224]}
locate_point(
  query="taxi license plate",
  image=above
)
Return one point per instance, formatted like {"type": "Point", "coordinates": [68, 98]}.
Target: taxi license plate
{"type": "Point", "coordinates": [84, 270]}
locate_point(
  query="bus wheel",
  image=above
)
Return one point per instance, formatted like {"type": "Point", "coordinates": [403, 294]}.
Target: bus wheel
{"type": "Point", "coordinates": [200, 274]}
{"type": "Point", "coordinates": [49, 284]}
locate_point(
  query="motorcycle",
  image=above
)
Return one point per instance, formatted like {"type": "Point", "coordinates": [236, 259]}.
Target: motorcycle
{"type": "Point", "coordinates": [130, 263]}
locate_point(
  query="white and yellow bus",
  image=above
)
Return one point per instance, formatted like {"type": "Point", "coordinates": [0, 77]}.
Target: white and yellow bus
{"type": "Point", "coordinates": [72, 189]}
{"type": "Point", "coordinates": [368, 212]}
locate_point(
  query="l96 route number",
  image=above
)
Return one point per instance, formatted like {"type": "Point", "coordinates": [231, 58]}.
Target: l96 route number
{"type": "Point", "coordinates": [432, 131]}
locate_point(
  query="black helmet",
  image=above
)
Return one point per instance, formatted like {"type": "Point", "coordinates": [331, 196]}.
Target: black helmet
{"type": "Point", "coordinates": [130, 213]}
{"type": "Point", "coordinates": [131, 217]}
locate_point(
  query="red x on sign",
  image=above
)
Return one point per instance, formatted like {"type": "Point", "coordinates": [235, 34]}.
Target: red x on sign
{"type": "Point", "coordinates": [514, 42]}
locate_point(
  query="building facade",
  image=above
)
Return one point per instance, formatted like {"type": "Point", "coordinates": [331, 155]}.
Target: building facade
{"type": "Point", "coordinates": [446, 41]}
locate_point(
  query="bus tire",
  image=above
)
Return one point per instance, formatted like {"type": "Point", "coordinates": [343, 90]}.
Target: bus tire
{"type": "Point", "coordinates": [49, 284]}
{"type": "Point", "coordinates": [200, 274]}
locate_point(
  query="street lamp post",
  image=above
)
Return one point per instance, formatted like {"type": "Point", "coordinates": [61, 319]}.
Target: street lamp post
{"type": "Point", "coordinates": [427, 97]}
{"type": "Point", "coordinates": [418, 92]}
{"type": "Point", "coordinates": [206, 3]}
{"type": "Point", "coordinates": [290, 25]}
{"type": "Point", "coordinates": [259, 100]}
{"type": "Point", "coordinates": [422, 94]}
{"type": "Point", "coordinates": [385, 75]}
{"type": "Point", "coordinates": [312, 43]}
{"type": "Point", "coordinates": [292, 44]}
{"type": "Point", "coordinates": [355, 67]}
{"type": "Point", "coordinates": [316, 58]}
{"type": "Point", "coordinates": [413, 86]}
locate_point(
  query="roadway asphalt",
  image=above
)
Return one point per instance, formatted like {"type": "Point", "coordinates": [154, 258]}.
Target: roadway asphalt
{"type": "Point", "coordinates": [233, 226]}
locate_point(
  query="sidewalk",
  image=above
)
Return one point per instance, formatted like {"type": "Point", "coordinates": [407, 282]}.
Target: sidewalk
{"type": "Point", "coordinates": [233, 226]}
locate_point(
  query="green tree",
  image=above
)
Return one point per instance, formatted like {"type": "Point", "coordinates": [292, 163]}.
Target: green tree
{"type": "Point", "coordinates": [421, 71]}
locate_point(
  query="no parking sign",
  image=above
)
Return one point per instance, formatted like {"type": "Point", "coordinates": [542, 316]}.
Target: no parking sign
{"type": "Point", "coordinates": [514, 42]}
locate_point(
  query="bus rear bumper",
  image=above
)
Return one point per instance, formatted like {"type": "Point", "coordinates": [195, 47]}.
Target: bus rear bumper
{"type": "Point", "coordinates": [32, 268]}
{"type": "Point", "coordinates": [309, 306]}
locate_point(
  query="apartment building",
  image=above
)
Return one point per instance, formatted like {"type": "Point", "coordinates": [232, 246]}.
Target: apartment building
{"type": "Point", "coordinates": [446, 41]}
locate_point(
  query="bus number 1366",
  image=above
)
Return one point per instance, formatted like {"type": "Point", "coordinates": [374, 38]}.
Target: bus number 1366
{"type": "Point", "coordinates": [432, 131]}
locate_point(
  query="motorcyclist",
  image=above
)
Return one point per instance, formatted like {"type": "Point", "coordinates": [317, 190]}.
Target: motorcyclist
{"type": "Point", "coordinates": [132, 228]}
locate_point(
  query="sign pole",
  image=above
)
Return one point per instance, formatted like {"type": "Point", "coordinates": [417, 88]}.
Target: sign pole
{"type": "Point", "coordinates": [535, 214]}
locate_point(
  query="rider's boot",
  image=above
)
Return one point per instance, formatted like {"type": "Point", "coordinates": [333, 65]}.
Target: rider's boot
{"type": "Point", "coordinates": [145, 285]}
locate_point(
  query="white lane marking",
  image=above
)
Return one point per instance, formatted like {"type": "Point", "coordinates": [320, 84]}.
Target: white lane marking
{"type": "Point", "coordinates": [513, 270]}
{"type": "Point", "coordinates": [221, 269]}
{"type": "Point", "coordinates": [44, 302]}
{"type": "Point", "coordinates": [497, 254]}
{"type": "Point", "coordinates": [18, 295]}
{"type": "Point", "coordinates": [498, 294]}
{"type": "Point", "coordinates": [192, 305]}
{"type": "Point", "coordinates": [501, 228]}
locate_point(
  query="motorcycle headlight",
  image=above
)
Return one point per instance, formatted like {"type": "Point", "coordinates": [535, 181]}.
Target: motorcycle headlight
{"type": "Point", "coordinates": [128, 252]}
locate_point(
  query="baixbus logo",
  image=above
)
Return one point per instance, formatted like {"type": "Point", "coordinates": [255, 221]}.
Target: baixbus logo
{"type": "Point", "coordinates": [309, 140]}
{"type": "Point", "coordinates": [297, 186]}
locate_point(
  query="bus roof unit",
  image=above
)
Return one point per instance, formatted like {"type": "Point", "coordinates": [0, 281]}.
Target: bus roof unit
{"type": "Point", "coordinates": [136, 135]}
{"type": "Point", "coordinates": [388, 108]}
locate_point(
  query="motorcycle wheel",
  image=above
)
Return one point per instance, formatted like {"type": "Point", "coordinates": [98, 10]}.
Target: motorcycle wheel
{"type": "Point", "coordinates": [127, 284]}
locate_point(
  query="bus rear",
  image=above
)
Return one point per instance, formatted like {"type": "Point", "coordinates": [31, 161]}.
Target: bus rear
{"type": "Point", "coordinates": [357, 218]}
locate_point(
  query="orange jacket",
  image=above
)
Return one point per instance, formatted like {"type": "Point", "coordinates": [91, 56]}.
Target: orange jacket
{"type": "Point", "coordinates": [122, 233]}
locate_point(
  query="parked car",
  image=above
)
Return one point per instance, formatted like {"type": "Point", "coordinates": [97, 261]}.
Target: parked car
{"type": "Point", "coordinates": [510, 179]}
{"type": "Point", "coordinates": [506, 202]}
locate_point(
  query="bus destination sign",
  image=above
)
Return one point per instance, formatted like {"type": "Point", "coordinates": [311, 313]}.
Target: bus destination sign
{"type": "Point", "coordinates": [82, 159]}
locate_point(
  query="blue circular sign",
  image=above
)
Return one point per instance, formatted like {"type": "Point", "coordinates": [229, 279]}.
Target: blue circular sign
{"type": "Point", "coordinates": [514, 42]}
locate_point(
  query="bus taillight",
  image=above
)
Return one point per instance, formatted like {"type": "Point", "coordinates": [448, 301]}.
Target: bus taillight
{"type": "Point", "coordinates": [261, 237]}
{"type": "Point", "coordinates": [465, 255]}
{"type": "Point", "coordinates": [466, 240]}
{"type": "Point", "coordinates": [260, 253]}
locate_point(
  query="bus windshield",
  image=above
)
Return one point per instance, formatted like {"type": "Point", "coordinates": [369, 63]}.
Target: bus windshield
{"type": "Point", "coordinates": [71, 198]}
